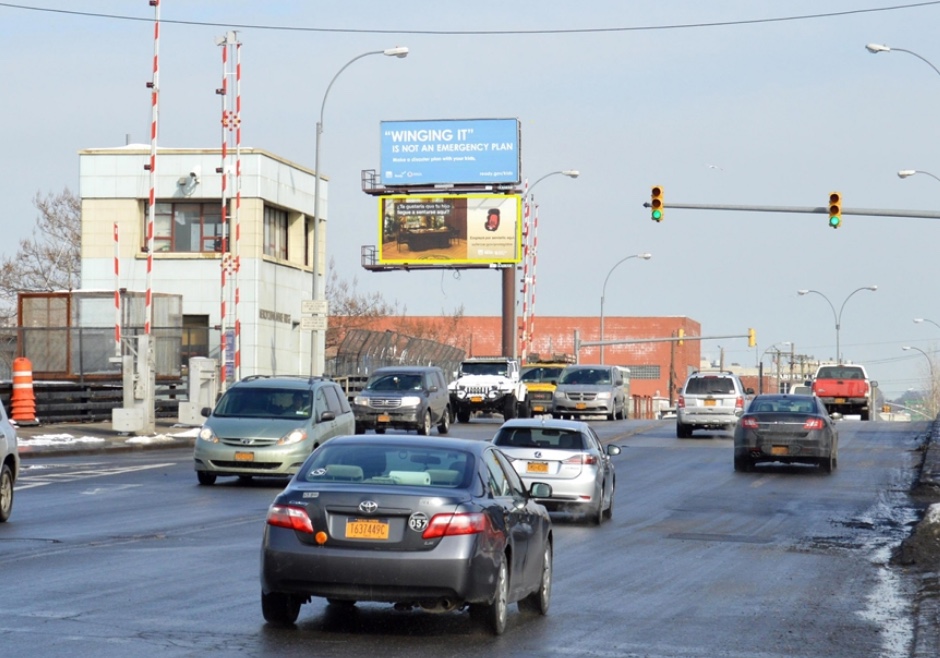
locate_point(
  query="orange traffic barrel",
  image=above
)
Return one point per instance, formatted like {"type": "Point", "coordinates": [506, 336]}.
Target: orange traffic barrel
{"type": "Point", "coordinates": [23, 398]}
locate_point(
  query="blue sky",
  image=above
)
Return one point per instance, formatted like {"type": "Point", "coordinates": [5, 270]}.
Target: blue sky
{"type": "Point", "coordinates": [761, 113]}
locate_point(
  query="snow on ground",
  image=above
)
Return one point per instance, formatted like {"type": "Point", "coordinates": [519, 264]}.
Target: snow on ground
{"type": "Point", "coordinates": [69, 439]}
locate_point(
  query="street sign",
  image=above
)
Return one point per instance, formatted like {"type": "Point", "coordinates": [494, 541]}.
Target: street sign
{"type": "Point", "coordinates": [313, 323]}
{"type": "Point", "coordinates": [313, 306]}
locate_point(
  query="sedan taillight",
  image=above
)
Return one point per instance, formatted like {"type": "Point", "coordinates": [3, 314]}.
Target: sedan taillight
{"type": "Point", "coordinates": [813, 424]}
{"type": "Point", "coordinates": [749, 422]}
{"type": "Point", "coordinates": [442, 525]}
{"type": "Point", "coordinates": [290, 517]}
{"type": "Point", "coordinates": [584, 459]}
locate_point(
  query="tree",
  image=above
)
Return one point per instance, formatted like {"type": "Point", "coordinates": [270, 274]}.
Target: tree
{"type": "Point", "coordinates": [50, 259]}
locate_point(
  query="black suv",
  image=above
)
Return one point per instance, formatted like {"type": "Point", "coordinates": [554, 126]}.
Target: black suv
{"type": "Point", "coordinates": [404, 397]}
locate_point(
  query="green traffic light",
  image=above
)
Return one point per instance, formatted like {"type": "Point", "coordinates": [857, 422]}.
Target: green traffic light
{"type": "Point", "coordinates": [657, 215]}
{"type": "Point", "coordinates": [835, 221]}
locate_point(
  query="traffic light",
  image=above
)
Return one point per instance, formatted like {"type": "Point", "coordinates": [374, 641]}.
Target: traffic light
{"type": "Point", "coordinates": [751, 338]}
{"type": "Point", "coordinates": [835, 209]}
{"type": "Point", "coordinates": [656, 203]}
{"type": "Point", "coordinates": [681, 334]}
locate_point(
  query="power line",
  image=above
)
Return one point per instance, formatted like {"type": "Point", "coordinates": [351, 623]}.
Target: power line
{"type": "Point", "coordinates": [586, 30]}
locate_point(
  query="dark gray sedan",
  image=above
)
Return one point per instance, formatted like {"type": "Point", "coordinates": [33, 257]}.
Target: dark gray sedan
{"type": "Point", "coordinates": [420, 522]}
{"type": "Point", "coordinates": [788, 429]}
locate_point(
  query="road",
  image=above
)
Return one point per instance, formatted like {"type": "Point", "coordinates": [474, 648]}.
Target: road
{"type": "Point", "coordinates": [125, 555]}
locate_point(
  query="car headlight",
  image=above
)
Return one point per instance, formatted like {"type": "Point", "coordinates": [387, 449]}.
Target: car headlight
{"type": "Point", "coordinates": [410, 401]}
{"type": "Point", "coordinates": [361, 401]}
{"type": "Point", "coordinates": [461, 393]}
{"type": "Point", "coordinates": [206, 434]}
{"type": "Point", "coordinates": [492, 394]}
{"type": "Point", "coordinates": [605, 395]}
{"type": "Point", "coordinates": [292, 437]}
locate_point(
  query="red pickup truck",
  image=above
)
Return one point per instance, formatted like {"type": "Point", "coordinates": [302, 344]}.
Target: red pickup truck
{"type": "Point", "coordinates": [845, 389]}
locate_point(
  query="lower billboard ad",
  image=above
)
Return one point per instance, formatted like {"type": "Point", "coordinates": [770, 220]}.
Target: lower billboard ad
{"type": "Point", "coordinates": [450, 229]}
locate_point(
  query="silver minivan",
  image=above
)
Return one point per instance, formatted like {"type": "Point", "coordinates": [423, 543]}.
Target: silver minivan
{"type": "Point", "coordinates": [590, 390]}
{"type": "Point", "coordinates": [268, 426]}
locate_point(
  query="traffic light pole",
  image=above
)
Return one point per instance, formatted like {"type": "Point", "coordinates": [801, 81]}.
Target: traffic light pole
{"type": "Point", "coordinates": [809, 210]}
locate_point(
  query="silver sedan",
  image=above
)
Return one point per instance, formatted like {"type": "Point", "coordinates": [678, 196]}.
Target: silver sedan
{"type": "Point", "coordinates": [566, 454]}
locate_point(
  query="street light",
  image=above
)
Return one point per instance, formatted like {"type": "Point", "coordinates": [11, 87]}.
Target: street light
{"type": "Point", "coordinates": [875, 48]}
{"type": "Point", "coordinates": [933, 382]}
{"type": "Point", "coordinates": [837, 316]}
{"type": "Point", "coordinates": [317, 337]}
{"type": "Point", "coordinates": [604, 291]}
{"type": "Point", "coordinates": [907, 173]}
{"type": "Point", "coordinates": [509, 280]}
{"type": "Point", "coordinates": [919, 320]}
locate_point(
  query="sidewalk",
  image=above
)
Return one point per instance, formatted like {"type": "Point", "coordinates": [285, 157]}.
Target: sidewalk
{"type": "Point", "coordinates": [66, 439]}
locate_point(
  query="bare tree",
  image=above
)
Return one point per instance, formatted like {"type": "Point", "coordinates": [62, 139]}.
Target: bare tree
{"type": "Point", "coordinates": [50, 259]}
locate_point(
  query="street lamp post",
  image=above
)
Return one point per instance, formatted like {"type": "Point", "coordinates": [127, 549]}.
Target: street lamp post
{"type": "Point", "coordinates": [837, 316]}
{"type": "Point", "coordinates": [907, 173]}
{"type": "Point", "coordinates": [875, 48]}
{"type": "Point", "coordinates": [645, 256]}
{"type": "Point", "coordinates": [933, 381]}
{"type": "Point", "coordinates": [919, 320]}
{"type": "Point", "coordinates": [318, 337]}
{"type": "Point", "coordinates": [509, 283]}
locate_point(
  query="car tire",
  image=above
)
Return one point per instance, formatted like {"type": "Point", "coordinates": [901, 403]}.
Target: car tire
{"type": "Point", "coordinates": [609, 514]}
{"type": "Point", "coordinates": [341, 603]}
{"type": "Point", "coordinates": [683, 431]}
{"type": "Point", "coordinates": [613, 414]}
{"type": "Point", "coordinates": [540, 600]}
{"type": "Point", "coordinates": [556, 416]}
{"type": "Point", "coordinates": [279, 608]}
{"type": "Point", "coordinates": [6, 493]}
{"type": "Point", "coordinates": [359, 429]}
{"type": "Point", "coordinates": [509, 409]}
{"type": "Point", "coordinates": [444, 426]}
{"type": "Point", "coordinates": [742, 464]}
{"type": "Point", "coordinates": [463, 416]}
{"type": "Point", "coordinates": [525, 409]}
{"type": "Point", "coordinates": [493, 615]}
{"type": "Point", "coordinates": [826, 463]}
{"type": "Point", "coordinates": [425, 427]}
{"type": "Point", "coordinates": [205, 478]}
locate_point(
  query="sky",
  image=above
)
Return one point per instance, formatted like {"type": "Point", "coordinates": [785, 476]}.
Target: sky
{"type": "Point", "coordinates": [724, 102]}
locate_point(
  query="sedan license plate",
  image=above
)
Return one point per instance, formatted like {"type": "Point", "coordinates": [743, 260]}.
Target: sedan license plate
{"type": "Point", "coordinates": [537, 467]}
{"type": "Point", "coordinates": [779, 450]}
{"type": "Point", "coordinates": [244, 456]}
{"type": "Point", "coordinates": [383, 418]}
{"type": "Point", "coordinates": [367, 529]}
{"type": "Point", "coordinates": [710, 403]}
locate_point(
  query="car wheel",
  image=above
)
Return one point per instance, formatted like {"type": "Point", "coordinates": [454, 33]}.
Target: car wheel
{"type": "Point", "coordinates": [341, 603]}
{"type": "Point", "coordinates": [380, 430]}
{"type": "Point", "coordinates": [525, 409]}
{"type": "Point", "coordinates": [683, 431]}
{"type": "Point", "coordinates": [463, 416]}
{"type": "Point", "coordinates": [826, 463]}
{"type": "Point", "coordinates": [494, 614]}
{"type": "Point", "coordinates": [613, 414]}
{"type": "Point", "coordinates": [555, 415]}
{"type": "Point", "coordinates": [279, 608]}
{"type": "Point", "coordinates": [444, 426]}
{"type": "Point", "coordinates": [425, 427]}
{"type": "Point", "coordinates": [742, 464]}
{"type": "Point", "coordinates": [205, 478]}
{"type": "Point", "coordinates": [509, 411]}
{"type": "Point", "coordinates": [6, 493]}
{"type": "Point", "coordinates": [359, 429]}
{"type": "Point", "coordinates": [610, 508]}
{"type": "Point", "coordinates": [540, 600]}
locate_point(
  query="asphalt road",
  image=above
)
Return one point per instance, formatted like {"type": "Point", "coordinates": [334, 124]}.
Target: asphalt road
{"type": "Point", "coordinates": [125, 555]}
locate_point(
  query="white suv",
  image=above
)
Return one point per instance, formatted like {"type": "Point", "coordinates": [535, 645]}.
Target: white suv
{"type": "Point", "coordinates": [710, 400]}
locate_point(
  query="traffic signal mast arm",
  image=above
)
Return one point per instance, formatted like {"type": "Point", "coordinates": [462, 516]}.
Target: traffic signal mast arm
{"type": "Point", "coordinates": [819, 210]}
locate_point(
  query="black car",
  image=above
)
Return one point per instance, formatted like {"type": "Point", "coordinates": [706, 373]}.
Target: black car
{"type": "Point", "coordinates": [404, 397]}
{"type": "Point", "coordinates": [788, 429]}
{"type": "Point", "coordinates": [434, 523]}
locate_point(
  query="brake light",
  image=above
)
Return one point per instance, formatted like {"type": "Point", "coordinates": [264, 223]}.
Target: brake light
{"type": "Point", "coordinates": [739, 403]}
{"type": "Point", "coordinates": [681, 403]}
{"type": "Point", "coordinates": [443, 525]}
{"type": "Point", "coordinates": [749, 422]}
{"type": "Point", "coordinates": [585, 459]}
{"type": "Point", "coordinates": [813, 424]}
{"type": "Point", "coordinates": [290, 517]}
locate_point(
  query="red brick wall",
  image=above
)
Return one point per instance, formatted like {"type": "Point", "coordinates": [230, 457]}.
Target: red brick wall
{"type": "Point", "coordinates": [482, 336]}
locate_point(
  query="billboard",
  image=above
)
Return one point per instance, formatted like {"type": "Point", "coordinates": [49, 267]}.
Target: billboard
{"type": "Point", "coordinates": [451, 151]}
{"type": "Point", "coordinates": [450, 229]}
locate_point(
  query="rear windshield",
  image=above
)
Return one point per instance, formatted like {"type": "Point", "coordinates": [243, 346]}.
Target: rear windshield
{"type": "Point", "coordinates": [839, 372]}
{"type": "Point", "coordinates": [539, 437]}
{"type": "Point", "coordinates": [263, 402]}
{"type": "Point", "coordinates": [710, 385]}
{"type": "Point", "coordinates": [390, 464]}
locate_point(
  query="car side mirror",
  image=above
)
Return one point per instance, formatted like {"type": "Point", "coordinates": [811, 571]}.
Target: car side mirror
{"type": "Point", "coordinates": [540, 490]}
{"type": "Point", "coordinates": [432, 389]}
{"type": "Point", "coordinates": [206, 412]}
{"type": "Point", "coordinates": [554, 382]}
{"type": "Point", "coordinates": [327, 415]}
{"type": "Point", "coordinates": [613, 450]}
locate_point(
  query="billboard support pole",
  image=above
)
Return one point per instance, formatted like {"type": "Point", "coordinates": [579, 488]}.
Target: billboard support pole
{"type": "Point", "coordinates": [509, 310]}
